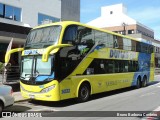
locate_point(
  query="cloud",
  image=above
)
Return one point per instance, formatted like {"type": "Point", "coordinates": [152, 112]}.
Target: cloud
{"type": "Point", "coordinates": [149, 15]}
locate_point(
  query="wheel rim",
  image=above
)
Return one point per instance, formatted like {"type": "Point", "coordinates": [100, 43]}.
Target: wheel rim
{"type": "Point", "coordinates": [84, 92]}
{"type": "Point", "coordinates": [144, 82]}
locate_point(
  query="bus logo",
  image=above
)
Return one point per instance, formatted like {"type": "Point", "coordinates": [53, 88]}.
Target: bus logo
{"type": "Point", "coordinates": [122, 54]}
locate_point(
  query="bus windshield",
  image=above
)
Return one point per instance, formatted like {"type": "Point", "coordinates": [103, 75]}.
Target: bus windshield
{"type": "Point", "coordinates": [43, 37]}
{"type": "Point", "coordinates": [32, 66]}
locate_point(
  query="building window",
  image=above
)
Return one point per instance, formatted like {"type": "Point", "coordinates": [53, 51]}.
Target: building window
{"type": "Point", "coordinates": [42, 19]}
{"type": "Point", "coordinates": [8, 12]}
{"type": "Point", "coordinates": [12, 13]}
{"type": "Point", "coordinates": [17, 14]}
{"type": "Point", "coordinates": [130, 31]}
{"type": "Point", "coordinates": [1, 10]}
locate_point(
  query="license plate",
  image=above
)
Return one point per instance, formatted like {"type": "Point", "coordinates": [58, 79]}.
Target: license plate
{"type": "Point", "coordinates": [31, 96]}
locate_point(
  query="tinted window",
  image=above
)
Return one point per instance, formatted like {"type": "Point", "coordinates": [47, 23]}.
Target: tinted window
{"type": "Point", "coordinates": [143, 47]}
{"type": "Point", "coordinates": [85, 35]}
{"type": "Point", "coordinates": [70, 34]}
{"type": "Point", "coordinates": [102, 66]}
{"type": "Point", "coordinates": [79, 35]}
{"type": "Point", "coordinates": [44, 36]}
{"type": "Point", "coordinates": [126, 44]}
{"type": "Point", "coordinates": [104, 38]}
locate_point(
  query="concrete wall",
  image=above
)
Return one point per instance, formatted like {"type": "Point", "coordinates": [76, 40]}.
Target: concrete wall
{"type": "Point", "coordinates": [145, 30]}
{"type": "Point", "coordinates": [31, 8]}
{"type": "Point", "coordinates": [115, 9]}
{"type": "Point", "coordinates": [70, 10]}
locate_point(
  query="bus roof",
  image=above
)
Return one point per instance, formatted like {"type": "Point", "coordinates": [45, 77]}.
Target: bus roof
{"type": "Point", "coordinates": [66, 23]}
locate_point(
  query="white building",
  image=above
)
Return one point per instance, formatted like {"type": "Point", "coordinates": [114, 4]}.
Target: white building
{"type": "Point", "coordinates": [109, 15]}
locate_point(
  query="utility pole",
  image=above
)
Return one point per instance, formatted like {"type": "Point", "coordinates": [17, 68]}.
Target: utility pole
{"type": "Point", "coordinates": [124, 28]}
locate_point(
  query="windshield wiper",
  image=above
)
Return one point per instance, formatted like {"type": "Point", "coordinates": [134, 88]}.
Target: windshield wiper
{"type": "Point", "coordinates": [36, 74]}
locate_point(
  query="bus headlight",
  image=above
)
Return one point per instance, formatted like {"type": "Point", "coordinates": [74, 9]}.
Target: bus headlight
{"type": "Point", "coordinates": [48, 89]}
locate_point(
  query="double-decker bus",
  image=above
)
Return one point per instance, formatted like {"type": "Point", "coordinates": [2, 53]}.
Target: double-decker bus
{"type": "Point", "coordinates": [72, 60]}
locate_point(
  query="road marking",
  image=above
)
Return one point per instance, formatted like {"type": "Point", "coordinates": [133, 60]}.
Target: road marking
{"type": "Point", "coordinates": [154, 85]}
{"type": "Point", "coordinates": [157, 109]}
{"type": "Point", "coordinates": [43, 109]}
{"type": "Point", "coordinates": [147, 94]}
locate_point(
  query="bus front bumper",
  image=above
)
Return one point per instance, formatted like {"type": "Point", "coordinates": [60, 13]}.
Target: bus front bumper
{"type": "Point", "coordinates": [47, 92]}
{"type": "Point", "coordinates": [40, 96]}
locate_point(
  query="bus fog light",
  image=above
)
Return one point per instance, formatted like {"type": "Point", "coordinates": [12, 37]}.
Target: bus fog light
{"type": "Point", "coordinates": [48, 89]}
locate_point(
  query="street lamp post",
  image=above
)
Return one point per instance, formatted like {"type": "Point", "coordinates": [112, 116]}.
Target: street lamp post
{"type": "Point", "coordinates": [124, 28]}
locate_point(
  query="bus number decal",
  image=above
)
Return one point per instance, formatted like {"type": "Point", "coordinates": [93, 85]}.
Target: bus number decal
{"type": "Point", "coordinates": [65, 91]}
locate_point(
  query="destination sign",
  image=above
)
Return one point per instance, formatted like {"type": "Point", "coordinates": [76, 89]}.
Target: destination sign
{"type": "Point", "coordinates": [33, 52]}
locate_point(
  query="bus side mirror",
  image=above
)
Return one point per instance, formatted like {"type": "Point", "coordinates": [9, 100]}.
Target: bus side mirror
{"type": "Point", "coordinates": [7, 56]}
{"type": "Point", "coordinates": [50, 48]}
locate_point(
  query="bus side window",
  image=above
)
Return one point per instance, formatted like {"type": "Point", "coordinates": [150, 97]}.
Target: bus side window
{"type": "Point", "coordinates": [70, 35]}
{"type": "Point", "coordinates": [126, 66]}
{"type": "Point", "coordinates": [121, 66]}
{"type": "Point", "coordinates": [136, 65]}
{"type": "Point", "coordinates": [111, 66]}
{"type": "Point", "coordinates": [117, 69]}
{"type": "Point", "coordinates": [85, 36]}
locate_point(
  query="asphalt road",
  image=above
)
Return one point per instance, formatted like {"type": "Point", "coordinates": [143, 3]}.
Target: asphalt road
{"type": "Point", "coordinates": [123, 102]}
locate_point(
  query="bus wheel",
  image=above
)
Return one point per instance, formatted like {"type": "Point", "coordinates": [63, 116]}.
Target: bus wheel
{"type": "Point", "coordinates": [138, 83]}
{"type": "Point", "coordinates": [84, 92]}
{"type": "Point", "coordinates": [144, 82]}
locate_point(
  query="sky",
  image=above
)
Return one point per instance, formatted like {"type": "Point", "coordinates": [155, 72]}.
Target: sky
{"type": "Point", "coordinates": [146, 12]}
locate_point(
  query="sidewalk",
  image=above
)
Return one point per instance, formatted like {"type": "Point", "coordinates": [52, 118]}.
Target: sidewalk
{"type": "Point", "coordinates": [16, 93]}
{"type": "Point", "coordinates": [18, 97]}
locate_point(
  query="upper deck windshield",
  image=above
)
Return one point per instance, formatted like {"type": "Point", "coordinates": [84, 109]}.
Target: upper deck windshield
{"type": "Point", "coordinates": [43, 37]}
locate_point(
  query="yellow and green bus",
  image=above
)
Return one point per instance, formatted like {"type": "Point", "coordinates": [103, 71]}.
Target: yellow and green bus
{"type": "Point", "coordinates": [68, 59]}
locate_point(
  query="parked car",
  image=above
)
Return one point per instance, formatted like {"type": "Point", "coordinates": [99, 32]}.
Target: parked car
{"type": "Point", "coordinates": [6, 98]}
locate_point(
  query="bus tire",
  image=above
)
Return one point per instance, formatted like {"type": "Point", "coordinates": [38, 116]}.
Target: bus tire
{"type": "Point", "coordinates": [144, 82]}
{"type": "Point", "coordinates": [138, 85]}
{"type": "Point", "coordinates": [84, 92]}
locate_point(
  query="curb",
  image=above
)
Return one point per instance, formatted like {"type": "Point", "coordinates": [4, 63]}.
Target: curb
{"type": "Point", "coordinates": [23, 100]}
